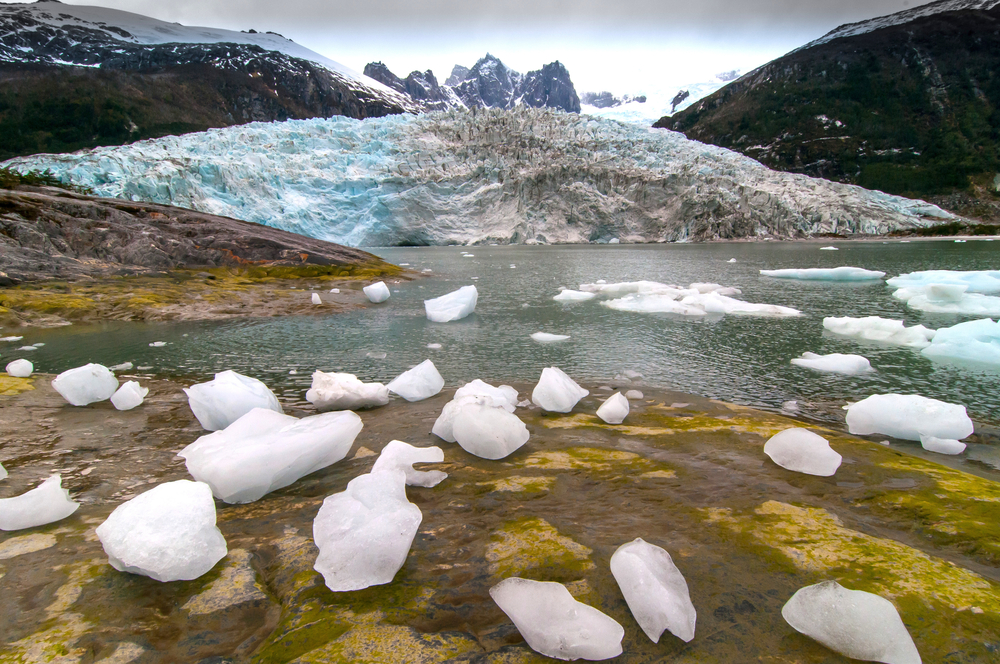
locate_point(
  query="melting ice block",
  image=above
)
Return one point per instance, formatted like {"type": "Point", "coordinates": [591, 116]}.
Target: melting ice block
{"type": "Point", "coordinates": [949, 299]}
{"type": "Point", "coordinates": [264, 451]}
{"type": "Point", "coordinates": [316, 299]}
{"type": "Point", "coordinates": [225, 399]}
{"type": "Point", "coordinates": [614, 409]}
{"type": "Point", "coordinates": [421, 382]}
{"type": "Point", "coordinates": [569, 295]}
{"type": "Point", "coordinates": [377, 292]}
{"type": "Point", "coordinates": [3, 472]}
{"type": "Point", "coordinates": [488, 431]}
{"type": "Point", "coordinates": [477, 391]}
{"type": "Point", "coordinates": [343, 391]}
{"type": "Point", "coordinates": [556, 625]}
{"type": "Point", "coordinates": [853, 623]}
{"type": "Point", "coordinates": [546, 338]}
{"type": "Point", "coordinates": [976, 281]}
{"type": "Point", "coordinates": [453, 306]}
{"type": "Point", "coordinates": [655, 590]}
{"type": "Point", "coordinates": [826, 274]}
{"type": "Point", "coordinates": [20, 368]}
{"type": "Point", "coordinates": [85, 385]}
{"type": "Point", "coordinates": [129, 395]}
{"type": "Point", "coordinates": [167, 533]}
{"type": "Point", "coordinates": [803, 451]}
{"type": "Point", "coordinates": [557, 392]}
{"type": "Point", "coordinates": [46, 503]}
{"type": "Point", "coordinates": [942, 445]}
{"type": "Point", "coordinates": [851, 365]}
{"type": "Point", "coordinates": [909, 416]}
{"type": "Point", "coordinates": [974, 342]}
{"type": "Point", "coordinates": [886, 330]}
{"type": "Point", "coordinates": [398, 455]}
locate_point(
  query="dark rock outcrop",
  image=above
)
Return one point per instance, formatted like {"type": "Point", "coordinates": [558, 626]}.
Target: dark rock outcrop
{"type": "Point", "coordinates": [549, 87]}
{"type": "Point", "coordinates": [600, 99]}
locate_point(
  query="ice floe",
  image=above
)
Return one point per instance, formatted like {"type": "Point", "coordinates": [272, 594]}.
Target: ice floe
{"type": "Point", "coordinates": [228, 397]}
{"type": "Point", "coordinates": [264, 451]}
{"type": "Point", "coordinates": [976, 281]}
{"type": "Point", "coordinates": [698, 299]}
{"type": "Point", "coordinates": [556, 392]}
{"type": "Point", "coordinates": [885, 330]}
{"type": "Point", "coordinates": [46, 503]}
{"type": "Point", "coordinates": [853, 623]}
{"type": "Point", "coordinates": [829, 249]}
{"type": "Point", "coordinates": [569, 295]}
{"type": "Point", "coordinates": [129, 395]}
{"type": "Point", "coordinates": [949, 299]}
{"type": "Point", "coordinates": [377, 292]}
{"type": "Point", "coordinates": [398, 455]}
{"type": "Point", "coordinates": [655, 590]}
{"type": "Point", "coordinates": [546, 338]}
{"type": "Point", "coordinates": [614, 409]}
{"type": "Point", "coordinates": [826, 274]}
{"type": "Point", "coordinates": [343, 391]}
{"type": "Point", "coordinates": [452, 306]}
{"type": "Point", "coordinates": [124, 366]}
{"type": "Point", "coordinates": [421, 382]}
{"type": "Point", "coordinates": [909, 417]}
{"type": "Point", "coordinates": [167, 533]}
{"type": "Point", "coordinates": [85, 385]}
{"type": "Point", "coordinates": [974, 342]}
{"type": "Point", "coordinates": [11, 338]}
{"type": "Point", "coordinates": [20, 368]}
{"type": "Point", "coordinates": [803, 451]}
{"type": "Point", "coordinates": [851, 365]}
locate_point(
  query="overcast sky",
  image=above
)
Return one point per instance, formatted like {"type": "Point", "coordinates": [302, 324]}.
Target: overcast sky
{"type": "Point", "coordinates": [618, 45]}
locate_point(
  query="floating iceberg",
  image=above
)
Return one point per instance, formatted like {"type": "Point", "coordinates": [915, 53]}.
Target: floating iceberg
{"type": "Point", "coordinates": [556, 625]}
{"type": "Point", "coordinates": [264, 451]}
{"type": "Point", "coordinates": [398, 455]}
{"type": "Point", "coordinates": [803, 451]}
{"type": "Point", "coordinates": [228, 397]}
{"type": "Point", "coordinates": [981, 281]}
{"type": "Point", "coordinates": [829, 249]}
{"type": "Point", "coordinates": [949, 299]}
{"type": "Point", "coordinates": [11, 338]}
{"type": "Point", "coordinates": [853, 623]}
{"type": "Point", "coordinates": [453, 306]}
{"type": "Point", "coordinates": [655, 590]}
{"type": "Point", "coordinates": [20, 368]}
{"type": "Point", "coordinates": [157, 344]}
{"type": "Point", "coordinates": [129, 396]}
{"type": "Point", "coordinates": [908, 416]}
{"type": "Point", "coordinates": [556, 392]}
{"type": "Point", "coordinates": [654, 304]}
{"type": "Point", "coordinates": [851, 365]}
{"type": "Point", "coordinates": [698, 299]}
{"type": "Point", "coordinates": [974, 342]}
{"type": "Point", "coordinates": [377, 292]}
{"type": "Point", "coordinates": [614, 410]}
{"type": "Point", "coordinates": [343, 391]}
{"type": "Point", "coordinates": [124, 366]}
{"type": "Point", "coordinates": [421, 382]}
{"type": "Point", "coordinates": [574, 296]}
{"type": "Point", "coordinates": [316, 299]}
{"type": "Point", "coordinates": [546, 338]}
{"type": "Point", "coordinates": [46, 503]}
{"type": "Point", "coordinates": [85, 385]}
{"type": "Point", "coordinates": [874, 328]}
{"type": "Point", "coordinates": [167, 533]}
{"type": "Point", "coordinates": [826, 274]}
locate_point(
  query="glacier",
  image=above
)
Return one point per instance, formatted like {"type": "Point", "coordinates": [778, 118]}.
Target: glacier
{"type": "Point", "coordinates": [525, 176]}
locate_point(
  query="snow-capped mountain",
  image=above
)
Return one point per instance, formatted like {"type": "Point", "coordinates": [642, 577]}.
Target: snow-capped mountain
{"type": "Point", "coordinates": [648, 106]}
{"type": "Point", "coordinates": [480, 176]}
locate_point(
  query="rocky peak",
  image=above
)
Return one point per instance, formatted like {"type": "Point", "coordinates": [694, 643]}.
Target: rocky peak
{"type": "Point", "coordinates": [549, 87]}
{"type": "Point", "coordinates": [600, 99]}
{"type": "Point", "coordinates": [381, 73]}
{"type": "Point", "coordinates": [458, 75]}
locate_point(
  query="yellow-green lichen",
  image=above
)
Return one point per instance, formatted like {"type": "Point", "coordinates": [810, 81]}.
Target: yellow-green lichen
{"type": "Point", "coordinates": [520, 484]}
{"type": "Point", "coordinates": [10, 386]}
{"type": "Point", "coordinates": [532, 545]}
{"type": "Point", "coordinates": [378, 643]}
{"type": "Point", "coordinates": [597, 459]}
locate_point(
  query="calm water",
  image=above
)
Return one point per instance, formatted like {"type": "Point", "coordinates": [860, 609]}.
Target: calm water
{"type": "Point", "coordinates": [736, 358]}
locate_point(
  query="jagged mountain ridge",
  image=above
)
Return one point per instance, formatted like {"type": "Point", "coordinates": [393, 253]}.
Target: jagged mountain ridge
{"type": "Point", "coordinates": [654, 102]}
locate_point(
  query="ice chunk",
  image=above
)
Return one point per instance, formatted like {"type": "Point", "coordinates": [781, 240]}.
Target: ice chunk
{"type": "Point", "coordinates": [364, 532]}
{"type": "Point", "coordinates": [334, 290]}
{"type": "Point", "coordinates": [546, 338]}
{"type": "Point", "coordinates": [853, 623]}
{"type": "Point", "coordinates": [874, 328]}
{"type": "Point", "coordinates": [27, 348]}
{"type": "Point", "coordinates": [716, 303]}
{"type": "Point", "coordinates": [421, 382]}
{"type": "Point", "coordinates": [633, 394]}
{"type": "Point", "coordinates": [124, 366]}
{"type": "Point", "coordinates": [20, 368]}
{"type": "Point", "coordinates": [908, 416]}
{"type": "Point", "coordinates": [434, 346]}
{"type": "Point", "coordinates": [87, 384]}
{"type": "Point", "coordinates": [556, 392]}
{"type": "Point", "coordinates": [654, 304]}
{"type": "Point", "coordinates": [264, 451]}
{"type": "Point", "coordinates": [503, 396]}
{"type": "Point", "coordinates": [129, 395]}
{"type": "Point", "coordinates": [11, 338]}
{"type": "Point", "coordinates": [398, 455]}
{"type": "Point", "coordinates": [453, 306]}
{"type": "Point", "coordinates": [46, 503]}
{"type": "Point", "coordinates": [731, 260]}
{"type": "Point", "coordinates": [556, 625]}
{"type": "Point", "coordinates": [343, 391]}
{"type": "Point", "coordinates": [830, 248]}
{"type": "Point", "coordinates": [976, 281]}
{"type": "Point", "coordinates": [225, 399]}
{"type": "Point", "coordinates": [316, 299]}
{"type": "Point", "coordinates": [3, 472]}
{"type": "Point", "coordinates": [574, 296]}
{"type": "Point", "coordinates": [949, 299]}
{"type": "Point", "coordinates": [489, 432]}
{"type": "Point", "coordinates": [791, 406]}
{"type": "Point", "coordinates": [614, 410]}
{"type": "Point", "coordinates": [158, 344]}
{"type": "Point", "coordinates": [942, 445]}
{"type": "Point", "coordinates": [167, 533]}
{"type": "Point", "coordinates": [803, 451]}
{"type": "Point", "coordinates": [826, 274]}
{"type": "Point", "coordinates": [974, 342]}
{"type": "Point", "coordinates": [851, 365]}
{"type": "Point", "coordinates": [476, 392]}
{"type": "Point", "coordinates": [377, 292]}
{"type": "Point", "coordinates": [655, 590]}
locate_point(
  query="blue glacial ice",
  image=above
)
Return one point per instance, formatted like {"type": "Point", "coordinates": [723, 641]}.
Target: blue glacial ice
{"type": "Point", "coordinates": [978, 281]}
{"type": "Point", "coordinates": [975, 342]}
{"type": "Point", "coordinates": [844, 273]}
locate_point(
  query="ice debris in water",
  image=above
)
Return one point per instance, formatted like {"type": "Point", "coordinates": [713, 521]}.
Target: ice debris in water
{"type": "Point", "coordinates": [556, 625]}
{"type": "Point", "coordinates": [851, 365]}
{"type": "Point", "coordinates": [398, 455]}
{"type": "Point", "coordinates": [453, 306]}
{"type": "Point", "coordinates": [942, 445]}
{"type": "Point", "coordinates": [803, 451]}
{"type": "Point", "coordinates": [698, 299]}
{"type": "Point", "coordinates": [633, 394]}
{"type": "Point", "coordinates": [85, 385]}
{"type": "Point", "coordinates": [481, 419]}
{"type": "Point", "coordinates": [434, 346]}
{"type": "Point", "coordinates": [167, 533]}
{"type": "Point", "coordinates": [421, 382]}
{"type": "Point", "coordinates": [731, 260]}
{"type": "Point", "coordinates": [20, 368]}
{"type": "Point", "coordinates": [949, 299]}
{"type": "Point", "coordinates": [976, 281]}
{"type": "Point", "coordinates": [228, 397]}
{"type": "Point", "coordinates": [46, 503]}
{"type": "Point", "coordinates": [27, 348]}
{"type": "Point", "coordinates": [973, 342]}
{"type": "Point", "coordinates": [124, 366]}
{"type": "Point", "coordinates": [556, 392]}
{"type": "Point", "coordinates": [11, 338]}
{"type": "Point", "coordinates": [614, 409]}
{"type": "Point", "coordinates": [316, 299]}
{"type": "Point", "coordinates": [829, 249]}
{"type": "Point", "coordinates": [546, 338]}
{"type": "Point", "coordinates": [334, 290]}
{"type": "Point", "coordinates": [885, 330]}
{"type": "Point", "coordinates": [157, 344]}
{"type": "Point", "coordinates": [377, 292]}
{"type": "Point", "coordinates": [791, 406]}
{"type": "Point", "coordinates": [655, 590]}
{"type": "Point", "coordinates": [911, 417]}
{"type": "Point", "coordinates": [343, 391]}
{"type": "Point", "coordinates": [129, 395]}
{"type": "Point", "coordinates": [264, 451]}
{"type": "Point", "coordinates": [3, 472]}
{"type": "Point", "coordinates": [826, 274]}
{"type": "Point", "coordinates": [574, 296]}
{"type": "Point", "coordinates": [852, 623]}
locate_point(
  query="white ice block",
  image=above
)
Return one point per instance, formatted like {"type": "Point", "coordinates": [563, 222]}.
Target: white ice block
{"type": "Point", "coordinates": [46, 503]}
{"type": "Point", "coordinates": [129, 396]}
{"type": "Point", "coordinates": [228, 397]}
{"type": "Point", "coordinates": [975, 342]}
{"type": "Point", "coordinates": [614, 409]}
{"type": "Point", "coordinates": [942, 445]}
{"type": "Point", "coordinates": [398, 455]}
{"type": "Point", "coordinates": [489, 432]}
{"type": "Point", "coordinates": [885, 330]}
{"type": "Point", "coordinates": [316, 299]}
{"type": "Point", "coordinates": [546, 338]}
{"type": "Point", "coordinates": [909, 416]}
{"type": "Point", "coordinates": [556, 392]}
{"type": "Point", "coordinates": [377, 292]}
{"type": "Point", "coordinates": [803, 451]}
{"type": "Point", "coordinates": [20, 368]}
{"type": "Point", "coordinates": [655, 590]}
{"type": "Point", "coordinates": [85, 385]}
{"type": "Point", "coordinates": [851, 365]}
{"type": "Point", "coordinates": [826, 274]}
{"type": "Point", "coordinates": [569, 295]}
{"type": "Point", "coordinates": [343, 391]}
{"type": "Point", "coordinates": [976, 281]}
{"type": "Point", "coordinates": [421, 382]}
{"type": "Point", "coordinates": [3, 472]}
{"type": "Point", "coordinates": [453, 306]}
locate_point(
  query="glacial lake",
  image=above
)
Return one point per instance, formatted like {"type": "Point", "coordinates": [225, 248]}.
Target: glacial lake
{"type": "Point", "coordinates": [741, 359]}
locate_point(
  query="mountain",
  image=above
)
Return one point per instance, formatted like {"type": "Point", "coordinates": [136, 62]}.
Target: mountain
{"type": "Point", "coordinates": [906, 103]}
{"type": "Point", "coordinates": [75, 76]}
{"type": "Point", "coordinates": [421, 87]}
{"type": "Point", "coordinates": [652, 104]}
{"type": "Point", "coordinates": [480, 176]}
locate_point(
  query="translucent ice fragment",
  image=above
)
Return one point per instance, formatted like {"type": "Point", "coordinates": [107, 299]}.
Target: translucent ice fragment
{"type": "Point", "coordinates": [421, 382]}
{"type": "Point", "coordinates": [909, 416]}
{"type": "Point", "coordinates": [614, 409]}
{"type": "Point", "coordinates": [574, 296]}
{"type": "Point", "coordinates": [942, 445]}
{"type": "Point", "coordinates": [124, 366]}
{"type": "Point", "coordinates": [377, 292]}
{"type": "Point", "coordinates": [228, 397]}
{"type": "Point", "coordinates": [453, 306]}
{"type": "Point", "coordinates": [129, 395]}
{"type": "Point", "coordinates": [316, 299]}
{"type": "Point", "coordinates": [974, 342]}
{"type": "Point", "coordinates": [634, 394]}
{"type": "Point", "coordinates": [398, 455]}
{"type": "Point", "coordinates": [557, 392]}
{"type": "Point", "coordinates": [826, 274]}
{"type": "Point", "coordinates": [157, 344]}
{"type": "Point", "coordinates": [20, 368]}
{"type": "Point", "coordinates": [886, 330]}
{"type": "Point", "coordinates": [46, 503]}
{"type": "Point", "coordinates": [343, 391]}
{"type": "Point", "coordinates": [546, 338]}
{"type": "Point", "coordinates": [487, 431]}
{"type": "Point", "coordinates": [803, 451]}
{"type": "Point", "coordinates": [3, 472]}
{"type": "Point", "coordinates": [87, 384]}
{"type": "Point", "coordinates": [851, 365]}
{"type": "Point", "coordinates": [655, 590]}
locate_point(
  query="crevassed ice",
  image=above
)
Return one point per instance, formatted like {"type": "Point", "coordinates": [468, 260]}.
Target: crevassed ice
{"type": "Point", "coordinates": [825, 274]}
{"type": "Point", "coordinates": [875, 328]}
